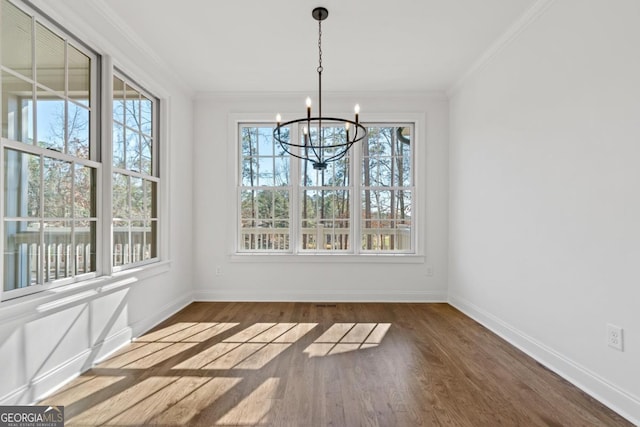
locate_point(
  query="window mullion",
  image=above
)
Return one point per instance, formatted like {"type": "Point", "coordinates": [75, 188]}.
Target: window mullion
{"type": "Point", "coordinates": [356, 194]}
{"type": "Point", "coordinates": [41, 262]}
{"type": "Point", "coordinates": [295, 219]}
{"type": "Point", "coordinates": [105, 191]}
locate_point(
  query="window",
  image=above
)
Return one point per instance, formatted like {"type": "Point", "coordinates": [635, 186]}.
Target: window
{"type": "Point", "coordinates": [361, 204]}
{"type": "Point", "coordinates": [59, 196]}
{"type": "Point", "coordinates": [135, 176]}
{"type": "Point", "coordinates": [265, 192]}
{"type": "Point", "coordinates": [49, 154]}
{"type": "Point", "coordinates": [386, 190]}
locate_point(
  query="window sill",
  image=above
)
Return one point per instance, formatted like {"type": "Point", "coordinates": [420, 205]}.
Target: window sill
{"type": "Point", "coordinates": [55, 299]}
{"type": "Point", "coordinates": [329, 258]}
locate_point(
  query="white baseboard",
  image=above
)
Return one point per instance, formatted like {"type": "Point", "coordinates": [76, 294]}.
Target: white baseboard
{"type": "Point", "coordinates": [615, 398]}
{"type": "Point", "coordinates": [48, 382]}
{"type": "Point", "coordinates": [210, 295]}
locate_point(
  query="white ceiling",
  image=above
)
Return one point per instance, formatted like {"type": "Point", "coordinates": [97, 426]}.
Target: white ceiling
{"type": "Point", "coordinates": [271, 46]}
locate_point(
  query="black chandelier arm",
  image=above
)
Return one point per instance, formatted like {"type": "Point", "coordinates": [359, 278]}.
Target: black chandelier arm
{"type": "Point", "coordinates": [359, 132]}
{"type": "Point", "coordinates": [338, 156]}
{"type": "Point", "coordinates": [307, 137]}
{"type": "Point", "coordinates": [317, 160]}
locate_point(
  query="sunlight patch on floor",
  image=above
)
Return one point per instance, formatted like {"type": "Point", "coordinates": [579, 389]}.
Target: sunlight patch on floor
{"type": "Point", "coordinates": [254, 408]}
{"type": "Point", "coordinates": [347, 337]}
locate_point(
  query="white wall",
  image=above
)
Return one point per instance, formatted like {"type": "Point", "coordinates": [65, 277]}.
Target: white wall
{"type": "Point", "coordinates": [47, 338]}
{"type": "Point", "coordinates": [303, 278]}
{"type": "Point", "coordinates": [545, 194]}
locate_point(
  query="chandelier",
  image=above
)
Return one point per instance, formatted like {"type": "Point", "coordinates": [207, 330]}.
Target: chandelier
{"type": "Point", "coordinates": [316, 147]}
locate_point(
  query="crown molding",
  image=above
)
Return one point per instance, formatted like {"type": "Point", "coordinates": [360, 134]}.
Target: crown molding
{"type": "Point", "coordinates": [114, 20]}
{"type": "Point", "coordinates": [429, 94]}
{"type": "Point", "coordinates": [533, 13]}
{"type": "Point", "coordinates": [81, 27]}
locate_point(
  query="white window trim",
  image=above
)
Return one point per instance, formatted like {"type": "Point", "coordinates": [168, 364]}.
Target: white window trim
{"type": "Point", "coordinates": [419, 184]}
{"type": "Point", "coordinates": [155, 162]}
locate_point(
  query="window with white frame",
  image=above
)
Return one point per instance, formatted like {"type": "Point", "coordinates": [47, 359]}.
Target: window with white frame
{"type": "Point", "coordinates": [360, 204]}
{"type": "Point", "coordinates": [49, 153]}
{"type": "Point", "coordinates": [58, 195]}
{"type": "Point", "coordinates": [265, 192]}
{"type": "Point", "coordinates": [135, 174]}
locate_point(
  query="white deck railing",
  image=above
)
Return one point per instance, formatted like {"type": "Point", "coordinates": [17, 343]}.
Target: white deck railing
{"type": "Point", "coordinates": [62, 259]}
{"type": "Point", "coordinates": [275, 239]}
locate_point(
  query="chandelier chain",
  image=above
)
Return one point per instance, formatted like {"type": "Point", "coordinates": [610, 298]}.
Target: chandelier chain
{"type": "Point", "coordinates": [320, 69]}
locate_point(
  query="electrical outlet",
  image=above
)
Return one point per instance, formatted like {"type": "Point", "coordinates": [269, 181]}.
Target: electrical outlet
{"type": "Point", "coordinates": [614, 337]}
{"type": "Point", "coordinates": [218, 270]}
{"type": "Point", "coordinates": [429, 271]}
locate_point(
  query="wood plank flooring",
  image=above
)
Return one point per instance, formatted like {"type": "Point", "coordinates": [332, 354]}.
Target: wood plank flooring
{"type": "Point", "coordinates": [304, 364]}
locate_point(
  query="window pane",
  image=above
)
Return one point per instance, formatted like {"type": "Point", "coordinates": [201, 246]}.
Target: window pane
{"type": "Point", "coordinates": [335, 175]}
{"type": "Point", "coordinates": [262, 163]}
{"type": "Point", "coordinates": [137, 198]}
{"type": "Point", "coordinates": [265, 171]}
{"type": "Point", "coordinates": [265, 141]}
{"type": "Point", "coordinates": [79, 76]}
{"type": "Point", "coordinates": [250, 171]}
{"type": "Point", "coordinates": [21, 184]}
{"type": "Point", "coordinates": [17, 111]}
{"type": "Point", "coordinates": [386, 223]}
{"type": "Point", "coordinates": [21, 254]}
{"type": "Point", "coordinates": [85, 246]}
{"type": "Point", "coordinates": [132, 154]}
{"type": "Point", "coordinates": [118, 100]}
{"type": "Point", "coordinates": [50, 58]}
{"type": "Point", "coordinates": [146, 115]}
{"type": "Point", "coordinates": [282, 171]}
{"type": "Point", "coordinates": [249, 142]}
{"type": "Point", "coordinates": [118, 146]}
{"type": "Point", "coordinates": [264, 204]}
{"type": "Point", "coordinates": [120, 199]}
{"type": "Point", "coordinates": [403, 175]}
{"type": "Point", "coordinates": [248, 209]}
{"type": "Point", "coordinates": [58, 200]}
{"type": "Point", "coordinates": [281, 204]}
{"type": "Point", "coordinates": [151, 238]}
{"type": "Point", "coordinates": [50, 124]}
{"type": "Point", "coordinates": [152, 194]}
{"type": "Point", "coordinates": [325, 219]}
{"type": "Point", "coordinates": [78, 131]}
{"type": "Point", "coordinates": [121, 246]}
{"type": "Point", "coordinates": [269, 236]}
{"type": "Point", "coordinates": [58, 250]}
{"type": "Point", "coordinates": [387, 157]}
{"type": "Point", "coordinates": [405, 137]}
{"type": "Point", "coordinates": [132, 108]}
{"type": "Point", "coordinates": [149, 190]}
{"type": "Point", "coordinates": [16, 38]}
{"type": "Point", "coordinates": [138, 232]}
{"type": "Point", "coordinates": [85, 192]}
{"type": "Point", "coordinates": [145, 157]}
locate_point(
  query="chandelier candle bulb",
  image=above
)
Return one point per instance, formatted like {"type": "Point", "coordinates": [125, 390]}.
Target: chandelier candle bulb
{"type": "Point", "coordinates": [278, 119]}
{"type": "Point", "coordinates": [308, 102]}
{"type": "Point", "coordinates": [357, 111]}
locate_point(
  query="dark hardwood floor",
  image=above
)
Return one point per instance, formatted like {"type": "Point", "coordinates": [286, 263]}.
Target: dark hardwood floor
{"type": "Point", "coordinates": [304, 364]}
